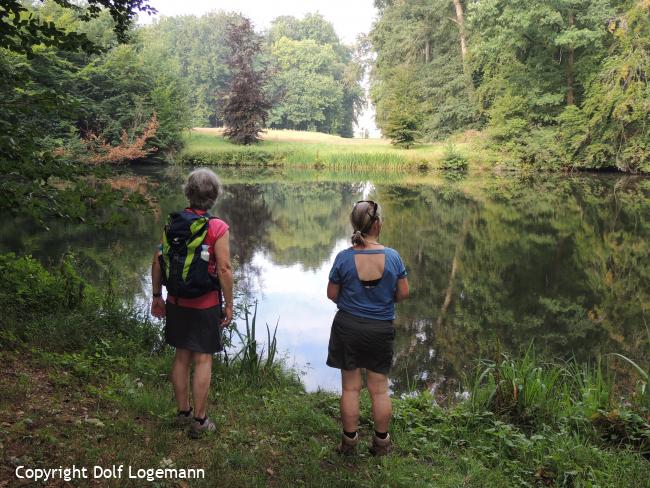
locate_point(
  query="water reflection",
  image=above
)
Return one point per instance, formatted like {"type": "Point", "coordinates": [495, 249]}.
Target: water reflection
{"type": "Point", "coordinates": [494, 262]}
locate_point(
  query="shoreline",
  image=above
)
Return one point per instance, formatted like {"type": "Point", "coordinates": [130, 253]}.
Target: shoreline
{"type": "Point", "coordinates": [305, 150]}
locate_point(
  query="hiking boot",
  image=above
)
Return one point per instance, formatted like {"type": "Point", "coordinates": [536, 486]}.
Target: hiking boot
{"type": "Point", "coordinates": [348, 446]}
{"type": "Point", "coordinates": [183, 420]}
{"type": "Point", "coordinates": [197, 429]}
{"type": "Point", "coordinates": [381, 447]}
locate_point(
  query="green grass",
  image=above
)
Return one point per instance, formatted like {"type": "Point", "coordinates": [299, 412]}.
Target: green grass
{"type": "Point", "coordinates": [271, 433]}
{"type": "Point", "coordinates": [316, 150]}
{"type": "Point", "coordinates": [106, 400]}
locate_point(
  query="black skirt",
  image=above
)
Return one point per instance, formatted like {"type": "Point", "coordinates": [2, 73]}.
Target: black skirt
{"type": "Point", "coordinates": [357, 342]}
{"type": "Point", "coordinates": [196, 330]}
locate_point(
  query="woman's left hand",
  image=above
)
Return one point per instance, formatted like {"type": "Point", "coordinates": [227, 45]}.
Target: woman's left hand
{"type": "Point", "coordinates": [227, 316]}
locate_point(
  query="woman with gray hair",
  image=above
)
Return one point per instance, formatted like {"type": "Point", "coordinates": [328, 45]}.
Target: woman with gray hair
{"type": "Point", "coordinates": [365, 282]}
{"type": "Point", "coordinates": [193, 263]}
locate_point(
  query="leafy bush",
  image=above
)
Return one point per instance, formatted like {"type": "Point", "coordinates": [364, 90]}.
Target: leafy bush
{"type": "Point", "coordinates": [56, 310]}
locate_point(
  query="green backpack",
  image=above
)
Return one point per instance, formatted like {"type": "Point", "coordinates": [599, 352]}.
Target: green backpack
{"type": "Point", "coordinates": [184, 270]}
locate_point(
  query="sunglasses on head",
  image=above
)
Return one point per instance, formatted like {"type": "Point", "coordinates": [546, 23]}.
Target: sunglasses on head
{"type": "Point", "coordinates": [372, 204]}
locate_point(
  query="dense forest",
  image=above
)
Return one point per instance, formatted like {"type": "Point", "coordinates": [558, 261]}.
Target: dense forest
{"type": "Point", "coordinates": [556, 83]}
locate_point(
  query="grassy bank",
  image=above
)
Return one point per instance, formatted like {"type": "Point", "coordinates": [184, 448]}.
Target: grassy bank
{"type": "Point", "coordinates": [84, 382]}
{"type": "Point", "coordinates": [312, 149]}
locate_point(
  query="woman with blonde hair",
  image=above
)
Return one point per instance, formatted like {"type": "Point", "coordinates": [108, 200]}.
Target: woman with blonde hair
{"type": "Point", "coordinates": [365, 282]}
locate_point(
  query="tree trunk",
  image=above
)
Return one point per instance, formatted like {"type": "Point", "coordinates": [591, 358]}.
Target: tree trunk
{"type": "Point", "coordinates": [460, 18]}
{"type": "Point", "coordinates": [570, 94]}
{"type": "Point", "coordinates": [455, 263]}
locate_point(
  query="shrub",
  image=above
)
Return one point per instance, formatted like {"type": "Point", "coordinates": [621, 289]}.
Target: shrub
{"type": "Point", "coordinates": [56, 310]}
{"type": "Point", "coordinates": [453, 159]}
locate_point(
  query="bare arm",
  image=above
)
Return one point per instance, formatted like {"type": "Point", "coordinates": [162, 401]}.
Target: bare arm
{"type": "Point", "coordinates": [402, 291]}
{"type": "Point", "coordinates": [224, 271]}
{"type": "Point", "coordinates": [157, 304]}
{"type": "Point", "coordinates": [333, 291]}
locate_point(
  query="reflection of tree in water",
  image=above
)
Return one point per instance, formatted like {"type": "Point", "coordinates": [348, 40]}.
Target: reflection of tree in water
{"type": "Point", "coordinates": [559, 261]}
{"type": "Point", "coordinates": [120, 253]}
{"type": "Point", "coordinates": [423, 223]}
{"type": "Point", "coordinates": [244, 208]}
{"type": "Point", "coordinates": [307, 219]}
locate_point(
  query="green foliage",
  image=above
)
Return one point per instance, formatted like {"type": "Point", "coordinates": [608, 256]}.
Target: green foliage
{"type": "Point", "coordinates": [419, 57]}
{"type": "Point", "coordinates": [311, 27]}
{"type": "Point", "coordinates": [20, 31]}
{"type": "Point", "coordinates": [316, 81]}
{"type": "Point", "coordinates": [613, 128]}
{"type": "Point", "coordinates": [45, 308]}
{"type": "Point", "coordinates": [564, 82]}
{"type": "Point", "coordinates": [253, 361]}
{"type": "Point", "coordinates": [453, 159]}
{"type": "Point", "coordinates": [399, 112]}
{"type": "Point", "coordinates": [643, 388]}
{"type": "Point", "coordinates": [519, 390]}
{"type": "Point", "coordinates": [197, 45]}
{"type": "Point", "coordinates": [525, 392]}
{"type": "Point", "coordinates": [53, 97]}
{"type": "Point", "coordinates": [124, 88]}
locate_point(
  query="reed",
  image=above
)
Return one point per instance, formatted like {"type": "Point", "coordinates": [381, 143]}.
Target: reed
{"type": "Point", "coordinates": [252, 360]}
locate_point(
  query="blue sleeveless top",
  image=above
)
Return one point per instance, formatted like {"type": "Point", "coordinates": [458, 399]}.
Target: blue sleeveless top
{"type": "Point", "coordinates": [376, 301]}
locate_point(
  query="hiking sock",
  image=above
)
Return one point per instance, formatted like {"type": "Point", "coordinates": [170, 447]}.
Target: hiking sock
{"type": "Point", "coordinates": [185, 413]}
{"type": "Point", "coordinates": [381, 435]}
{"type": "Point", "coordinates": [350, 435]}
{"type": "Point", "coordinates": [201, 421]}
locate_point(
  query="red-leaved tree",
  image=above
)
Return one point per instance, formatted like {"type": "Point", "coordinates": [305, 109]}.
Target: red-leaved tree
{"type": "Point", "coordinates": [245, 105]}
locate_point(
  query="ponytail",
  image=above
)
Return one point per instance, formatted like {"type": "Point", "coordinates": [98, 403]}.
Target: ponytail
{"type": "Point", "coordinates": [357, 239]}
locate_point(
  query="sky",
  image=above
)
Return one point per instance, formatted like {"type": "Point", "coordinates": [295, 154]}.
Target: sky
{"type": "Point", "coordinates": [349, 17]}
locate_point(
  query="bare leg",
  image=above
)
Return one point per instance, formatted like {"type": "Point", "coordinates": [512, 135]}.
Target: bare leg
{"type": "Point", "coordinates": [381, 405]}
{"type": "Point", "coordinates": [201, 382]}
{"type": "Point", "coordinates": [181, 378]}
{"type": "Point", "coordinates": [351, 387]}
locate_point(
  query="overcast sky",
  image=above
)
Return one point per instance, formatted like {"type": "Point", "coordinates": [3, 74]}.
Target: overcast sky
{"type": "Point", "coordinates": [350, 17]}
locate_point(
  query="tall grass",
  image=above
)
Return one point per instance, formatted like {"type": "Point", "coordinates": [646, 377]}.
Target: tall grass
{"type": "Point", "coordinates": [523, 390]}
{"type": "Point", "coordinates": [643, 385]}
{"type": "Point", "coordinates": [535, 395]}
{"type": "Point", "coordinates": [252, 360]}
{"type": "Point", "coordinates": [307, 149]}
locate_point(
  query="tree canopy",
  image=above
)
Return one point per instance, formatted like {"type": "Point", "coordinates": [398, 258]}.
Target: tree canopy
{"type": "Point", "coordinates": [317, 80]}
{"type": "Point", "coordinates": [558, 83]}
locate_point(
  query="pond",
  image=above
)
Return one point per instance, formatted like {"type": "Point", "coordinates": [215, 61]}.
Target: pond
{"type": "Point", "coordinates": [496, 263]}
